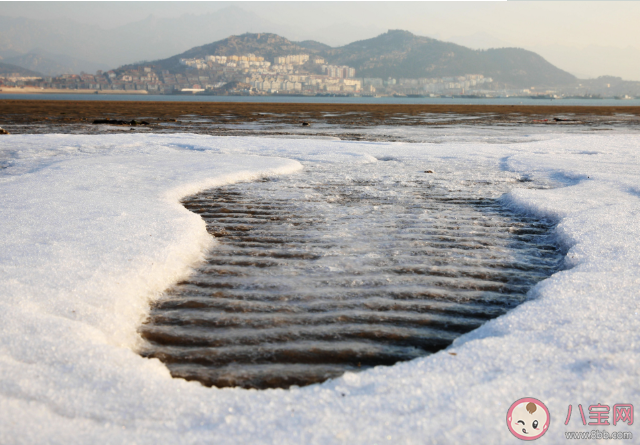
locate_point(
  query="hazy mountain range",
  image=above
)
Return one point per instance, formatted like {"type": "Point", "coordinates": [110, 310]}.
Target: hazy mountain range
{"type": "Point", "coordinates": [7, 68]}
{"type": "Point", "coordinates": [61, 45]}
{"type": "Point", "coordinates": [53, 64]}
{"type": "Point", "coordinates": [402, 54]}
{"type": "Point", "coordinates": [149, 39]}
{"type": "Point", "coordinates": [397, 54]}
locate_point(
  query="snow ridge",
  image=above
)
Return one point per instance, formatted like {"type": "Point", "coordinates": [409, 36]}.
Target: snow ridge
{"type": "Point", "coordinates": [92, 230]}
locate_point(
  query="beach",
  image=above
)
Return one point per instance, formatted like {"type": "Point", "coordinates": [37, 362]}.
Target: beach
{"type": "Point", "coordinates": [94, 233]}
{"type": "Point", "coordinates": [347, 121]}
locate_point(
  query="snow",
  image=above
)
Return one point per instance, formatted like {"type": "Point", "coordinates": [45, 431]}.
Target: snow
{"type": "Point", "coordinates": [92, 231]}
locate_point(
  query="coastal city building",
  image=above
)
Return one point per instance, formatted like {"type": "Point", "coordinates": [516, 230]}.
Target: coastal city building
{"type": "Point", "coordinates": [343, 72]}
{"type": "Point", "coordinates": [251, 74]}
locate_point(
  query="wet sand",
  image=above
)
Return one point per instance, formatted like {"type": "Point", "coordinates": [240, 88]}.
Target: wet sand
{"type": "Point", "coordinates": [97, 109]}
{"type": "Point", "coordinates": [222, 118]}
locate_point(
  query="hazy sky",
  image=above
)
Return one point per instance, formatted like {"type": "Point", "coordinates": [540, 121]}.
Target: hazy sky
{"type": "Point", "coordinates": [520, 22]}
{"type": "Point", "coordinates": [552, 28]}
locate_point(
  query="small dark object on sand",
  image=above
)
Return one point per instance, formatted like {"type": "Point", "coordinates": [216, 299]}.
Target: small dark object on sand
{"type": "Point", "coordinates": [119, 122]}
{"type": "Point", "coordinates": [3, 131]}
{"type": "Point", "coordinates": [306, 124]}
{"type": "Point", "coordinates": [428, 171]}
{"type": "Point", "coordinates": [557, 119]}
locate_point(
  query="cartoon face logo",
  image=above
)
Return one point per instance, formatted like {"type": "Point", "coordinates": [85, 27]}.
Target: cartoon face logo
{"type": "Point", "coordinates": [528, 419]}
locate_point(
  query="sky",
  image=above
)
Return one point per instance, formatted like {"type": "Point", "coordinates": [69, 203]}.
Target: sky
{"type": "Point", "coordinates": [587, 37]}
{"type": "Point", "coordinates": [520, 22]}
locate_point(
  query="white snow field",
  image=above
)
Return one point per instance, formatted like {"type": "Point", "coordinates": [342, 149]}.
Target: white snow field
{"type": "Point", "coordinates": [92, 231]}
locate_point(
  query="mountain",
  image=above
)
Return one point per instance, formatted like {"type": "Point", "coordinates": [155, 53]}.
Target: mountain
{"type": "Point", "coordinates": [266, 45]}
{"type": "Point", "coordinates": [9, 53]}
{"type": "Point", "coordinates": [403, 54]}
{"type": "Point", "coordinates": [7, 68]}
{"type": "Point", "coordinates": [479, 40]}
{"type": "Point", "coordinates": [148, 39]}
{"type": "Point", "coordinates": [54, 64]}
{"type": "Point", "coordinates": [397, 54]}
{"type": "Point", "coordinates": [155, 38]}
{"type": "Point", "coordinates": [312, 45]}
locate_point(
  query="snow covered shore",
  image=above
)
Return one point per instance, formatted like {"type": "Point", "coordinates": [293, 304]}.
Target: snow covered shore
{"type": "Point", "coordinates": [92, 230]}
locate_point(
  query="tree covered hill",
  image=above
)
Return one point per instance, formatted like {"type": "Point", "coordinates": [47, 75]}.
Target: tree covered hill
{"type": "Point", "coordinates": [402, 54]}
{"type": "Point", "coordinates": [263, 44]}
{"type": "Point", "coordinates": [397, 54]}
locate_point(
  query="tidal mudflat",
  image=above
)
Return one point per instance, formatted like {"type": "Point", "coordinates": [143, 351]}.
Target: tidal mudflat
{"type": "Point", "coordinates": [94, 234]}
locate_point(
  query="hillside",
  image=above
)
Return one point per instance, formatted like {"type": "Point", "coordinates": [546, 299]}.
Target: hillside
{"type": "Point", "coordinates": [263, 44]}
{"type": "Point", "coordinates": [398, 54]}
{"type": "Point", "coordinates": [7, 68]}
{"type": "Point", "coordinates": [54, 64]}
{"type": "Point", "coordinates": [402, 54]}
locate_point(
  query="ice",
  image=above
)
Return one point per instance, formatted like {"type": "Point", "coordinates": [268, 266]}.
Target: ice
{"type": "Point", "coordinates": [92, 230]}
